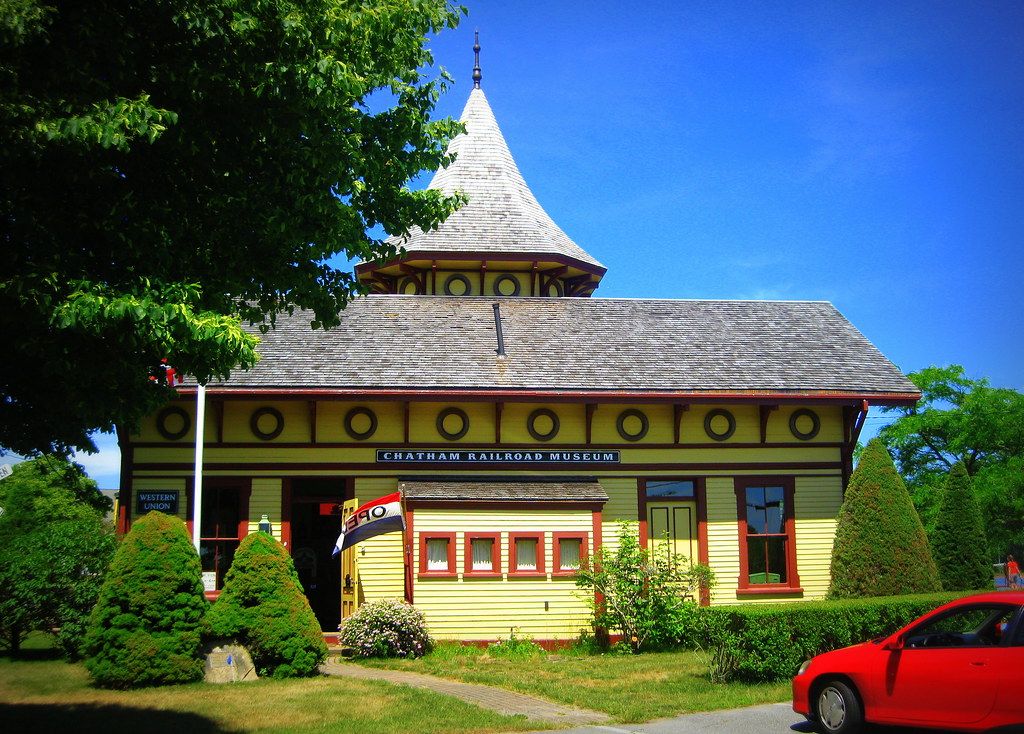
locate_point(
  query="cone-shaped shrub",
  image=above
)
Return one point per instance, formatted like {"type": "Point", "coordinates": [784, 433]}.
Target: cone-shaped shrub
{"type": "Point", "coordinates": [263, 607]}
{"type": "Point", "coordinates": [880, 548]}
{"type": "Point", "coordinates": [959, 545]}
{"type": "Point", "coordinates": [146, 626]}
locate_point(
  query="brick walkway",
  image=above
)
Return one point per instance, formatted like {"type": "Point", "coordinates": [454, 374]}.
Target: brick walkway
{"type": "Point", "coordinates": [495, 699]}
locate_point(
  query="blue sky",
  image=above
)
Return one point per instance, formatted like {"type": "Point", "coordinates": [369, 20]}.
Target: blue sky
{"type": "Point", "coordinates": [867, 153]}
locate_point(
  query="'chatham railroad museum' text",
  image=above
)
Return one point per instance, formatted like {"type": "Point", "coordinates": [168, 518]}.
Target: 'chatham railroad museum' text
{"type": "Point", "coordinates": [400, 456]}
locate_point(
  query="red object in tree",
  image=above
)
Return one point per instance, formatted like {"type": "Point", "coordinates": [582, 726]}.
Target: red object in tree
{"type": "Point", "coordinates": [958, 668]}
{"type": "Point", "coordinates": [164, 374]}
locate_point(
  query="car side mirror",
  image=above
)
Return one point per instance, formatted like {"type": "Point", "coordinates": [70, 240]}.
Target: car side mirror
{"type": "Point", "coordinates": [893, 643]}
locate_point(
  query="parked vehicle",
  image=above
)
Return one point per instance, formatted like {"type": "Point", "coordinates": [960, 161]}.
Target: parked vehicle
{"type": "Point", "coordinates": [957, 668]}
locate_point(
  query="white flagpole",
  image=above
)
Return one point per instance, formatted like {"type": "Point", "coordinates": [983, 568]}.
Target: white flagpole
{"type": "Point", "coordinates": [197, 499]}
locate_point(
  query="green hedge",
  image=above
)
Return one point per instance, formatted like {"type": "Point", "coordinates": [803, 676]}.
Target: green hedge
{"type": "Point", "coordinates": [762, 642]}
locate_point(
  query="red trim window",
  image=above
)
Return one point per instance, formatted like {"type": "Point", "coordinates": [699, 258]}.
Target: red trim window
{"type": "Point", "coordinates": [437, 554]}
{"type": "Point", "coordinates": [570, 552]}
{"type": "Point", "coordinates": [767, 532]}
{"type": "Point", "coordinates": [223, 525]}
{"type": "Point", "coordinates": [526, 554]}
{"type": "Point", "coordinates": [483, 554]}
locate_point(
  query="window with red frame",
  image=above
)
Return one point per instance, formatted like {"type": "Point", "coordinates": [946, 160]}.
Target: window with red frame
{"type": "Point", "coordinates": [570, 552]}
{"type": "Point", "coordinates": [220, 528]}
{"type": "Point", "coordinates": [483, 554]}
{"type": "Point", "coordinates": [437, 554]}
{"type": "Point", "coordinates": [767, 551]}
{"type": "Point", "coordinates": [526, 553]}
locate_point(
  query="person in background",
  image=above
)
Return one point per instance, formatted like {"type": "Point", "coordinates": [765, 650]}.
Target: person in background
{"type": "Point", "coordinates": [1013, 573]}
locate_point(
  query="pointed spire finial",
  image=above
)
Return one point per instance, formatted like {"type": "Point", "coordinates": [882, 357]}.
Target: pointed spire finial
{"type": "Point", "coordinates": [477, 76]}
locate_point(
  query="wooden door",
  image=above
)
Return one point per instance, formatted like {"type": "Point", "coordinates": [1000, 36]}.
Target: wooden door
{"type": "Point", "coordinates": [672, 529]}
{"type": "Point", "coordinates": [349, 567]}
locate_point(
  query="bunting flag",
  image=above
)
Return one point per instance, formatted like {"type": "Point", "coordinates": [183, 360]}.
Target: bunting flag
{"type": "Point", "coordinates": [379, 516]}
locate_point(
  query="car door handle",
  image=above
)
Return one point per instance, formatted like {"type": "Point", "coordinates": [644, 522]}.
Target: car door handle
{"type": "Point", "coordinates": [978, 663]}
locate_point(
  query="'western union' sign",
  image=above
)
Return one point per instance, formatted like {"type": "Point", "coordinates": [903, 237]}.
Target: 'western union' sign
{"type": "Point", "coordinates": [489, 456]}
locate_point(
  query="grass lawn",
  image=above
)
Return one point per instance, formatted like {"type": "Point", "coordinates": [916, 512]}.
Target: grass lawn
{"type": "Point", "coordinates": [44, 695]}
{"type": "Point", "coordinates": [631, 688]}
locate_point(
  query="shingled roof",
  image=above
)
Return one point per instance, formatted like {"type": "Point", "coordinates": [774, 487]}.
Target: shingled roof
{"type": "Point", "coordinates": [443, 343]}
{"type": "Point", "coordinates": [503, 216]}
{"type": "Point", "coordinates": [503, 491]}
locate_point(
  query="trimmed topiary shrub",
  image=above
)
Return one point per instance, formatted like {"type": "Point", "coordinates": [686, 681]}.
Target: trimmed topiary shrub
{"type": "Point", "coordinates": [880, 547]}
{"type": "Point", "coordinates": [387, 628]}
{"type": "Point", "coordinates": [763, 642]}
{"type": "Point", "coordinates": [959, 545]}
{"type": "Point", "coordinates": [263, 607]}
{"type": "Point", "coordinates": [146, 626]}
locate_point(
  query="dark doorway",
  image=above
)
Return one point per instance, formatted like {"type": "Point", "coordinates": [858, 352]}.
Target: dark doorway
{"type": "Point", "coordinates": [315, 526]}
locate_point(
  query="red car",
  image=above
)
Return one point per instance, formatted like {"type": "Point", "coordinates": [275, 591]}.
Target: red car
{"type": "Point", "coordinates": [958, 668]}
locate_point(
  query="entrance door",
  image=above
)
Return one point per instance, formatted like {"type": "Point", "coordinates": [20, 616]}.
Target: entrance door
{"type": "Point", "coordinates": [315, 529]}
{"type": "Point", "coordinates": [671, 528]}
{"type": "Point", "coordinates": [349, 569]}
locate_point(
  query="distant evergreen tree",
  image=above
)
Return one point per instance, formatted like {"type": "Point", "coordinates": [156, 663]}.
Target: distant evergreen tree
{"type": "Point", "coordinates": [880, 548]}
{"type": "Point", "coordinates": [959, 545]}
{"type": "Point", "coordinates": [263, 607]}
{"type": "Point", "coordinates": [146, 627]}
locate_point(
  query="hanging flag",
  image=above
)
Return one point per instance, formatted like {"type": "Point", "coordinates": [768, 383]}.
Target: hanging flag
{"type": "Point", "coordinates": [379, 516]}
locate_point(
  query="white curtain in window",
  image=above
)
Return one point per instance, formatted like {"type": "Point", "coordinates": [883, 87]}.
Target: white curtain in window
{"type": "Point", "coordinates": [569, 553]}
{"type": "Point", "coordinates": [437, 554]}
{"type": "Point", "coordinates": [526, 554]}
{"type": "Point", "coordinates": [482, 559]}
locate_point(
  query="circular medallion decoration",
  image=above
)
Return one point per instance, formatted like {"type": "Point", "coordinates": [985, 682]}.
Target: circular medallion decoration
{"type": "Point", "coordinates": [358, 417]}
{"type": "Point", "coordinates": [451, 289]}
{"type": "Point", "coordinates": [181, 417]}
{"type": "Point", "coordinates": [795, 421]}
{"type": "Point", "coordinates": [409, 286]}
{"type": "Point", "coordinates": [531, 424]}
{"type": "Point", "coordinates": [632, 416]}
{"type": "Point", "coordinates": [554, 289]}
{"type": "Point", "coordinates": [254, 423]}
{"type": "Point", "coordinates": [709, 424]}
{"type": "Point", "coordinates": [506, 285]}
{"type": "Point", "coordinates": [448, 413]}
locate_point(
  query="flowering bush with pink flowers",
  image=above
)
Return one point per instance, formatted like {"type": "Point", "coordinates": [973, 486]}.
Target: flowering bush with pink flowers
{"type": "Point", "coordinates": [388, 628]}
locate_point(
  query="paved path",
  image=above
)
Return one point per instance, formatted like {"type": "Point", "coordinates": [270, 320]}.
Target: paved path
{"type": "Point", "coordinates": [495, 699]}
{"type": "Point", "coordinates": [772, 717]}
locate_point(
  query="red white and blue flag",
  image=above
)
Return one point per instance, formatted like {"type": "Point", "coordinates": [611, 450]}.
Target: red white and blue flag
{"type": "Point", "coordinates": [379, 516]}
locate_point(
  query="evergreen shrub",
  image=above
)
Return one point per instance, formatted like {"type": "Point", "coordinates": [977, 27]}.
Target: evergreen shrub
{"type": "Point", "coordinates": [263, 607]}
{"type": "Point", "coordinates": [880, 546]}
{"type": "Point", "coordinates": [763, 642]}
{"type": "Point", "coordinates": [959, 545]}
{"type": "Point", "coordinates": [387, 628]}
{"type": "Point", "coordinates": [146, 626]}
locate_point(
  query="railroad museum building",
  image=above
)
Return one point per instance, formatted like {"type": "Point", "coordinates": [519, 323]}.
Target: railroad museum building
{"type": "Point", "coordinates": [525, 423]}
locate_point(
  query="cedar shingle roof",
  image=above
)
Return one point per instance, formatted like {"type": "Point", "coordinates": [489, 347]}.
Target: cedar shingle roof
{"type": "Point", "coordinates": [502, 215]}
{"type": "Point", "coordinates": [576, 344]}
{"type": "Point", "coordinates": [590, 491]}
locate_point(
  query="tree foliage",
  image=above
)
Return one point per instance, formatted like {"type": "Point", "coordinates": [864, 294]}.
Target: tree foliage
{"type": "Point", "coordinates": [880, 547]}
{"type": "Point", "coordinates": [959, 419]}
{"type": "Point", "coordinates": [55, 546]}
{"type": "Point", "coordinates": [172, 169]}
{"type": "Point", "coordinates": [958, 542]}
{"type": "Point", "coordinates": [648, 597]}
{"type": "Point", "coordinates": [263, 607]}
{"type": "Point", "coordinates": [146, 627]}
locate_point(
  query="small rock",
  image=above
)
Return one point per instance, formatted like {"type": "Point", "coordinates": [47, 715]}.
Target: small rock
{"type": "Point", "coordinates": [228, 662]}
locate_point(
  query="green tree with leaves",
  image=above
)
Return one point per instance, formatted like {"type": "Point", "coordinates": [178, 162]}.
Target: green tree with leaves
{"type": "Point", "coordinates": [649, 598]}
{"type": "Point", "coordinates": [146, 628]}
{"type": "Point", "coordinates": [262, 605]}
{"type": "Point", "coordinates": [172, 169]}
{"type": "Point", "coordinates": [55, 547]}
{"type": "Point", "coordinates": [958, 542]}
{"type": "Point", "coordinates": [880, 547]}
{"type": "Point", "coordinates": [960, 419]}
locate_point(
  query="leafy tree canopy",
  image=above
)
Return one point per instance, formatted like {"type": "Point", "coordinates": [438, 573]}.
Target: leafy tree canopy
{"type": "Point", "coordinates": [55, 546]}
{"type": "Point", "coordinates": [960, 419]}
{"type": "Point", "coordinates": [171, 169]}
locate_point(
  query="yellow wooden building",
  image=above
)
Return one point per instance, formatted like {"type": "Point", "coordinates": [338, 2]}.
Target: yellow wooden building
{"type": "Point", "coordinates": [525, 422]}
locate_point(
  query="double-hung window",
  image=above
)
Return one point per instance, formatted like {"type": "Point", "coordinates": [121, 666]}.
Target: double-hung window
{"type": "Point", "coordinates": [767, 535]}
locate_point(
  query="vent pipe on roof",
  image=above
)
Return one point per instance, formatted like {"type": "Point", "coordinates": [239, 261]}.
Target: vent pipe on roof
{"type": "Point", "coordinates": [497, 328]}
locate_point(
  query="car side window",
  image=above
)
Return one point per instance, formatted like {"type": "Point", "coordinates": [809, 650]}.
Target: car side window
{"type": "Point", "coordinates": [974, 626]}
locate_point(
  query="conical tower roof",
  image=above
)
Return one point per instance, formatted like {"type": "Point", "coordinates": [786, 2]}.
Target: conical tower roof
{"type": "Point", "coordinates": [503, 216]}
